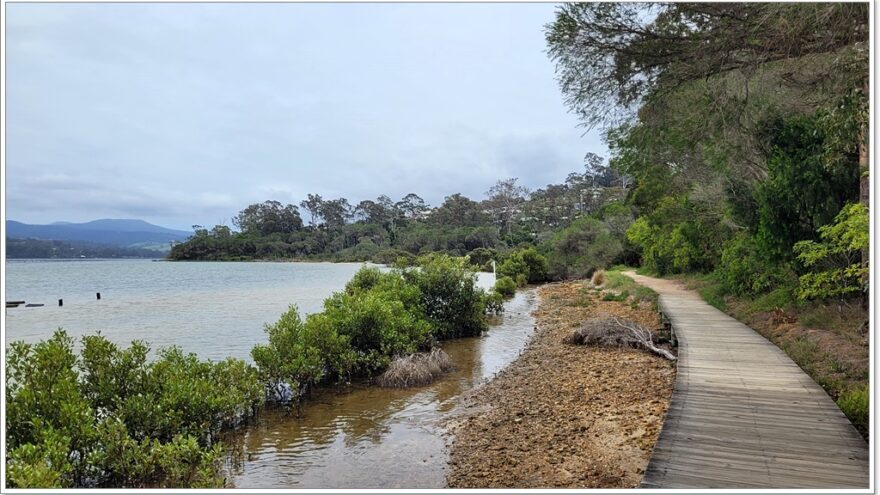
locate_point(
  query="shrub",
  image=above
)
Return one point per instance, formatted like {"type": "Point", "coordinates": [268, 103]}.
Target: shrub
{"type": "Point", "coordinates": [582, 248]}
{"type": "Point", "coordinates": [301, 354]}
{"type": "Point", "coordinates": [743, 270]}
{"type": "Point", "coordinates": [415, 370]}
{"type": "Point", "coordinates": [109, 418]}
{"type": "Point", "coordinates": [835, 261]}
{"type": "Point", "coordinates": [482, 257]}
{"type": "Point", "coordinates": [450, 298]}
{"type": "Point", "coordinates": [537, 264]}
{"type": "Point", "coordinates": [494, 303]}
{"type": "Point", "coordinates": [512, 266]}
{"type": "Point", "coordinates": [376, 326]}
{"type": "Point", "coordinates": [527, 265]}
{"type": "Point", "coordinates": [505, 286]}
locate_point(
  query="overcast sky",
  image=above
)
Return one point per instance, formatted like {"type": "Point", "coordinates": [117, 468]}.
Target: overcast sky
{"type": "Point", "coordinates": [183, 114]}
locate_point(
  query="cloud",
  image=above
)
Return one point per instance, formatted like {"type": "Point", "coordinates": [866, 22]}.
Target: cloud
{"type": "Point", "coordinates": [186, 113]}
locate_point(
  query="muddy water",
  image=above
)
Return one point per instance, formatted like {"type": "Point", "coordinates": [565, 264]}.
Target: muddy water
{"type": "Point", "coordinates": [369, 437]}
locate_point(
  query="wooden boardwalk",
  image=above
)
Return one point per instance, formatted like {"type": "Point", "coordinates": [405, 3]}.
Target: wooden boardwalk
{"type": "Point", "coordinates": [743, 414]}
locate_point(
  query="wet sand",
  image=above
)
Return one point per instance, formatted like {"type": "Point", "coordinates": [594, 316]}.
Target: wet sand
{"type": "Point", "coordinates": [564, 416]}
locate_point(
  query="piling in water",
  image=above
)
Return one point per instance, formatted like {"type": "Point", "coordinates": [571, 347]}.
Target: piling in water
{"type": "Point", "coordinates": [99, 296]}
{"type": "Point", "coordinates": [61, 302]}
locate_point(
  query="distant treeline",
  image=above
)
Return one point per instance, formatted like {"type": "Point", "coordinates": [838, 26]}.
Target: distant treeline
{"type": "Point", "coordinates": [383, 230]}
{"type": "Point", "coordinates": [45, 249]}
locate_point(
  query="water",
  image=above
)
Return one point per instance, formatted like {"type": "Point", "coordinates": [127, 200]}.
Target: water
{"type": "Point", "coordinates": [213, 309]}
{"type": "Point", "coordinates": [370, 437]}
{"type": "Point", "coordinates": [363, 437]}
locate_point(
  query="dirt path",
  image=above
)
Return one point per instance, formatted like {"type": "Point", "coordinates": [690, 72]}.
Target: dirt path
{"type": "Point", "coordinates": [565, 416]}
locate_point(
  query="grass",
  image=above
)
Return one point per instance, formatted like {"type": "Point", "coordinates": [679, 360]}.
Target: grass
{"type": "Point", "coordinates": [415, 370]}
{"type": "Point", "coordinates": [617, 281]}
{"type": "Point", "coordinates": [855, 404]}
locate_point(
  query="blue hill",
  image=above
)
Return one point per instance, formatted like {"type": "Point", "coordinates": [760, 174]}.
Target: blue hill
{"type": "Point", "coordinates": [115, 232]}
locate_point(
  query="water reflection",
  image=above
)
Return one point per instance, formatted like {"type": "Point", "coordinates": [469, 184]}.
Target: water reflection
{"type": "Point", "coordinates": [369, 437]}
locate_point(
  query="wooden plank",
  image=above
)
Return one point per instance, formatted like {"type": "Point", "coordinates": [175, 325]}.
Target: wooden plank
{"type": "Point", "coordinates": [743, 414]}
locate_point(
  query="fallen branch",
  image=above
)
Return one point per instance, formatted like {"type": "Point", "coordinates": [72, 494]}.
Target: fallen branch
{"type": "Point", "coordinates": [643, 336]}
{"type": "Point", "coordinates": [612, 332]}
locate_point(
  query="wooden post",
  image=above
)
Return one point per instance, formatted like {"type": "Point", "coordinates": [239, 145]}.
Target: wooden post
{"type": "Point", "coordinates": [99, 296]}
{"type": "Point", "coordinates": [60, 302]}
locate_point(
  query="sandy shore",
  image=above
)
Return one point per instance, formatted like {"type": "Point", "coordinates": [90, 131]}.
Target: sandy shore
{"type": "Point", "coordinates": [565, 416]}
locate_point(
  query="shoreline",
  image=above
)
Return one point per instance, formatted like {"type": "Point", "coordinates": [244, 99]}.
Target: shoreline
{"type": "Point", "coordinates": [565, 416]}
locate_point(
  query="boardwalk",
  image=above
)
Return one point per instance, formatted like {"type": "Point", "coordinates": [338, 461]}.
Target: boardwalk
{"type": "Point", "coordinates": [744, 415]}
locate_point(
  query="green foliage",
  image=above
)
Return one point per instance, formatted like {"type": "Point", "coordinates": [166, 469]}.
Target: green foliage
{"type": "Point", "coordinates": [110, 418]}
{"type": "Point", "coordinates": [494, 303]}
{"type": "Point", "coordinates": [780, 298]}
{"type": "Point", "coordinates": [578, 250]}
{"type": "Point", "coordinates": [618, 281]}
{"type": "Point", "coordinates": [450, 298]}
{"type": "Point", "coordinates": [536, 264]}
{"type": "Point", "coordinates": [505, 286]}
{"type": "Point", "coordinates": [746, 270]}
{"type": "Point", "coordinates": [856, 405]}
{"type": "Point", "coordinates": [801, 193]}
{"type": "Point", "coordinates": [835, 261]}
{"type": "Point", "coordinates": [379, 315]}
{"type": "Point", "coordinates": [678, 236]}
{"type": "Point", "coordinates": [375, 324]}
{"type": "Point", "coordinates": [299, 353]}
{"type": "Point", "coordinates": [482, 257]}
{"type": "Point", "coordinates": [621, 297]}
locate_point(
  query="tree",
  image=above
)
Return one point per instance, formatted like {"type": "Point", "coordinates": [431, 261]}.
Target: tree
{"type": "Point", "coordinates": [458, 211]}
{"type": "Point", "coordinates": [505, 198]}
{"type": "Point", "coordinates": [611, 56]}
{"type": "Point", "coordinates": [268, 217]}
{"type": "Point", "coordinates": [412, 206]}
{"type": "Point", "coordinates": [313, 205]}
{"type": "Point", "coordinates": [335, 212]}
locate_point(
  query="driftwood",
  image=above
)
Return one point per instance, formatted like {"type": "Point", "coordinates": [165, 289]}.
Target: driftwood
{"type": "Point", "coordinates": [612, 332]}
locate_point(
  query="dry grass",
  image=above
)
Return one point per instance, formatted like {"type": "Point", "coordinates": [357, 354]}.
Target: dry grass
{"type": "Point", "coordinates": [415, 370]}
{"type": "Point", "coordinates": [598, 278]}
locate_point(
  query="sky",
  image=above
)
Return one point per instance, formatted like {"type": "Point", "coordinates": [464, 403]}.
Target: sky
{"type": "Point", "coordinates": [183, 114]}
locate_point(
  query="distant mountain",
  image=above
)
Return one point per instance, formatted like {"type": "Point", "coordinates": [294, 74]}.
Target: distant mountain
{"type": "Point", "coordinates": [114, 232]}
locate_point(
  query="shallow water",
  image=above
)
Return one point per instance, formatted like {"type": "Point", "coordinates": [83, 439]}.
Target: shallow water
{"type": "Point", "coordinates": [370, 437]}
{"type": "Point", "coordinates": [365, 437]}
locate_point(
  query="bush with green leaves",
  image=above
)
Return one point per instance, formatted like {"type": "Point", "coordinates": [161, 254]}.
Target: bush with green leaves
{"type": "Point", "coordinates": [482, 257]}
{"type": "Point", "coordinates": [803, 190]}
{"type": "Point", "coordinates": [526, 265]}
{"type": "Point", "coordinates": [835, 261]}
{"type": "Point", "coordinates": [300, 354]}
{"type": "Point", "coordinates": [376, 325]}
{"type": "Point", "coordinates": [110, 418]}
{"type": "Point", "coordinates": [679, 237]}
{"type": "Point", "coordinates": [452, 303]}
{"type": "Point", "coordinates": [744, 270]}
{"type": "Point", "coordinates": [578, 250]}
{"type": "Point", "coordinates": [505, 286]}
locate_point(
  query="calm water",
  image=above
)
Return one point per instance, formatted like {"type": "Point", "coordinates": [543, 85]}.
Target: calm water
{"type": "Point", "coordinates": [213, 309]}
{"type": "Point", "coordinates": [370, 437]}
{"type": "Point", "coordinates": [363, 437]}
